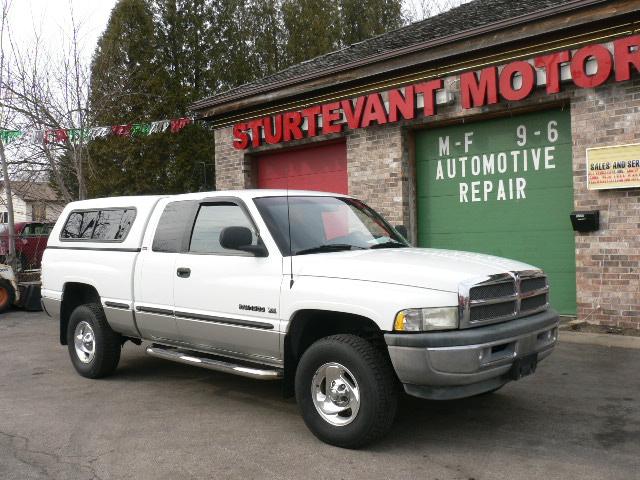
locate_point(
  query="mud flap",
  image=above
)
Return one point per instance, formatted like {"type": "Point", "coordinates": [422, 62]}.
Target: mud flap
{"type": "Point", "coordinates": [30, 297]}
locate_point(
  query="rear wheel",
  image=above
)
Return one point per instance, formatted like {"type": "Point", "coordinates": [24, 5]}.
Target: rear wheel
{"type": "Point", "coordinates": [93, 347]}
{"type": "Point", "coordinates": [7, 295]}
{"type": "Point", "coordinates": [346, 391]}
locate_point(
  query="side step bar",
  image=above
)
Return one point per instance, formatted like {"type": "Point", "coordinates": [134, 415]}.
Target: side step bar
{"type": "Point", "coordinates": [217, 365]}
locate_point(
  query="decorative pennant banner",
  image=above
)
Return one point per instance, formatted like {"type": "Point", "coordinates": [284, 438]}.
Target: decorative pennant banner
{"type": "Point", "coordinates": [76, 135]}
{"type": "Point", "coordinates": [56, 136]}
{"type": "Point", "coordinates": [121, 130]}
{"type": "Point", "coordinates": [99, 132]}
{"type": "Point", "coordinates": [8, 136]}
{"type": "Point", "coordinates": [179, 124]}
{"type": "Point", "coordinates": [35, 137]}
{"type": "Point", "coordinates": [140, 129]}
{"type": "Point", "coordinates": [160, 126]}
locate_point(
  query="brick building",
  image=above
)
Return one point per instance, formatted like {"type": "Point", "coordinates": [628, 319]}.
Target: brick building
{"type": "Point", "coordinates": [474, 129]}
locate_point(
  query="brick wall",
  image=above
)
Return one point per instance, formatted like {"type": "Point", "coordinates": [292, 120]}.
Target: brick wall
{"type": "Point", "coordinates": [381, 172]}
{"type": "Point", "coordinates": [377, 169]}
{"type": "Point", "coordinates": [233, 167]}
{"type": "Point", "coordinates": [607, 261]}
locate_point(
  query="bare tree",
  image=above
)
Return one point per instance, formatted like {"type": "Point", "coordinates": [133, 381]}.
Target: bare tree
{"type": "Point", "coordinates": [49, 92]}
{"type": "Point", "coordinates": [416, 10]}
{"type": "Point", "coordinates": [11, 254]}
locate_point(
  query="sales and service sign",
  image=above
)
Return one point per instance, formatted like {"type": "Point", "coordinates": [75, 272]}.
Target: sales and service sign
{"type": "Point", "coordinates": [613, 167]}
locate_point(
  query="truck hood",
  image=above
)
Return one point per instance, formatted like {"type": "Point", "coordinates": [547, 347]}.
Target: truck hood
{"type": "Point", "coordinates": [416, 267]}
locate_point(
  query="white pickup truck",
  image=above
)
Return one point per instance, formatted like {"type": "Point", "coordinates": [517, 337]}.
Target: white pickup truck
{"type": "Point", "coordinates": [315, 289]}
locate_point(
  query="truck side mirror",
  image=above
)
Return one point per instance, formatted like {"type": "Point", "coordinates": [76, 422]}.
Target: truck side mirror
{"type": "Point", "coordinates": [239, 238]}
{"type": "Point", "coordinates": [402, 230]}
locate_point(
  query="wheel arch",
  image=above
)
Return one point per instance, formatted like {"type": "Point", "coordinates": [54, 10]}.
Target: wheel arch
{"type": "Point", "coordinates": [74, 294]}
{"type": "Point", "coordinates": [309, 325]}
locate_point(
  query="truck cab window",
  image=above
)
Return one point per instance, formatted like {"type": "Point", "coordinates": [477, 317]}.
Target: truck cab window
{"type": "Point", "coordinates": [209, 223]}
{"type": "Point", "coordinates": [176, 218]}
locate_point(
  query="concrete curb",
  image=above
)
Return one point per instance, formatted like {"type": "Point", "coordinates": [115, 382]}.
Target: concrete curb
{"type": "Point", "coordinates": [603, 339]}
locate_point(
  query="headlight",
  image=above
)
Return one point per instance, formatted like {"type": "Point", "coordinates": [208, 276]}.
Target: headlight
{"type": "Point", "coordinates": [424, 319]}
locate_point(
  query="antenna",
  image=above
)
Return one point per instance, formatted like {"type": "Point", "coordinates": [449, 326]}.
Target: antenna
{"type": "Point", "coordinates": [290, 242]}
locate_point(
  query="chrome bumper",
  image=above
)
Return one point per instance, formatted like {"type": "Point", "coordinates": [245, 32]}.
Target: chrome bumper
{"type": "Point", "coordinates": [463, 363]}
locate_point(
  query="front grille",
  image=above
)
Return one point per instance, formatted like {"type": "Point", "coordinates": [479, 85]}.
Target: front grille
{"type": "Point", "coordinates": [482, 313]}
{"type": "Point", "coordinates": [495, 290]}
{"type": "Point", "coordinates": [503, 297]}
{"type": "Point", "coordinates": [531, 284]}
{"type": "Point", "coordinates": [533, 303]}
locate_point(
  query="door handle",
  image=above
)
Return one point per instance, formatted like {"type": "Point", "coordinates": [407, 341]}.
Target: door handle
{"type": "Point", "coordinates": [184, 272]}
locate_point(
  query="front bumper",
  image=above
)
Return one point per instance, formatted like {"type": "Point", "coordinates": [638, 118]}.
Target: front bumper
{"type": "Point", "coordinates": [463, 363]}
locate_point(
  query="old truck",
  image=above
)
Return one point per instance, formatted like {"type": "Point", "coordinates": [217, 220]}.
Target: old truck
{"type": "Point", "coordinates": [316, 290]}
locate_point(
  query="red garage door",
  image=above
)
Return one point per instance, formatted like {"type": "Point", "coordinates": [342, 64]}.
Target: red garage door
{"type": "Point", "coordinates": [322, 168]}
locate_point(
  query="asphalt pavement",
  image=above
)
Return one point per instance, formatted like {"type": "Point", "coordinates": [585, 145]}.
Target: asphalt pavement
{"type": "Point", "coordinates": [578, 417]}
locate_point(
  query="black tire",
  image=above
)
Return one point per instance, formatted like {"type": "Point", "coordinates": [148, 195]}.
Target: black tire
{"type": "Point", "coordinates": [7, 295]}
{"type": "Point", "coordinates": [375, 378]}
{"type": "Point", "coordinates": [107, 342]}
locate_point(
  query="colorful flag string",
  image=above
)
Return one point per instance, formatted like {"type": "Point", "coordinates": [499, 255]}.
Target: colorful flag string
{"type": "Point", "coordinates": [76, 135]}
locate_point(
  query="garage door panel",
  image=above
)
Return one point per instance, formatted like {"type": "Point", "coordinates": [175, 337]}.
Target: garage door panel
{"type": "Point", "coordinates": [534, 248]}
{"type": "Point", "coordinates": [509, 212]}
{"type": "Point", "coordinates": [274, 168]}
{"type": "Point", "coordinates": [315, 164]}
{"type": "Point", "coordinates": [334, 182]}
{"type": "Point", "coordinates": [285, 167]}
{"type": "Point", "coordinates": [500, 216]}
{"type": "Point", "coordinates": [450, 168]}
{"type": "Point", "coordinates": [524, 132]}
{"type": "Point", "coordinates": [318, 167]}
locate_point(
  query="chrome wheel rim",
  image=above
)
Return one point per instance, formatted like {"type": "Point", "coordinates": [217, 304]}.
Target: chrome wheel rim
{"type": "Point", "coordinates": [85, 342]}
{"type": "Point", "coordinates": [335, 394]}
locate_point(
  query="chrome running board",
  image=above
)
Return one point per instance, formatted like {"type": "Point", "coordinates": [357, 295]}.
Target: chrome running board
{"type": "Point", "coordinates": [189, 358]}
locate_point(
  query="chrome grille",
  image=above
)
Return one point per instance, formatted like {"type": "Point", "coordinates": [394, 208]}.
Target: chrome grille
{"type": "Point", "coordinates": [533, 303]}
{"type": "Point", "coordinates": [502, 297]}
{"type": "Point", "coordinates": [531, 284]}
{"type": "Point", "coordinates": [485, 292]}
{"type": "Point", "coordinates": [492, 311]}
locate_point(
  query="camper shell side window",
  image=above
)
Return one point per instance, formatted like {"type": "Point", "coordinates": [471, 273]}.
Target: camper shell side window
{"type": "Point", "coordinates": [98, 225]}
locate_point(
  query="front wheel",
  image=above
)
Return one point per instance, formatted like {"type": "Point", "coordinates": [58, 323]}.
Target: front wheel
{"type": "Point", "coordinates": [93, 347]}
{"type": "Point", "coordinates": [346, 390]}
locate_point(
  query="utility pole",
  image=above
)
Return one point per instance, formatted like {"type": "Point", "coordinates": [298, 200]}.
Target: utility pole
{"type": "Point", "coordinates": [11, 257]}
{"type": "Point", "coordinates": [204, 170]}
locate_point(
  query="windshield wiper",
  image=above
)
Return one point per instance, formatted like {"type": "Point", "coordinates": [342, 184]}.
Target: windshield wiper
{"type": "Point", "coordinates": [329, 247]}
{"type": "Point", "coordinates": [390, 244]}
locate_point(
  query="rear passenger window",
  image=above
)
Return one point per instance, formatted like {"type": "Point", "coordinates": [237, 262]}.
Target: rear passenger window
{"type": "Point", "coordinates": [109, 225]}
{"type": "Point", "coordinates": [176, 219]}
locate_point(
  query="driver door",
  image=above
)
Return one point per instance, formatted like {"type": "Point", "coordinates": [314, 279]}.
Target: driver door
{"type": "Point", "coordinates": [227, 301]}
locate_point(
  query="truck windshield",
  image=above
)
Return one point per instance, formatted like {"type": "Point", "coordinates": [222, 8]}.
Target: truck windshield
{"type": "Point", "coordinates": [325, 224]}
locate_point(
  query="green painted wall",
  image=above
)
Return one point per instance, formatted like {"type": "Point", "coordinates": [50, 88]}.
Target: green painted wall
{"type": "Point", "coordinates": [476, 193]}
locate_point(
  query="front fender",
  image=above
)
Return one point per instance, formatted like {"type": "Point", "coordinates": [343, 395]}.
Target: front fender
{"type": "Point", "coordinates": [377, 301]}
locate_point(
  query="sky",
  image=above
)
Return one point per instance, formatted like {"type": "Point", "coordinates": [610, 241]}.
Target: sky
{"type": "Point", "coordinates": [52, 19]}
